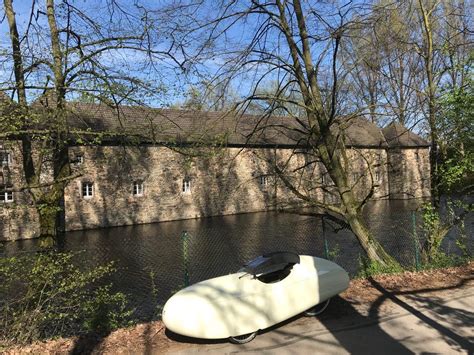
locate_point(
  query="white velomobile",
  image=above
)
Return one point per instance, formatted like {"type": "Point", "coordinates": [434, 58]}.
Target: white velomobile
{"type": "Point", "coordinates": [266, 291]}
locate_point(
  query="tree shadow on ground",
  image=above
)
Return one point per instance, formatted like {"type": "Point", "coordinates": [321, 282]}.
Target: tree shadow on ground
{"type": "Point", "coordinates": [87, 343]}
{"type": "Point", "coordinates": [350, 337]}
{"type": "Point", "coordinates": [340, 310]}
{"type": "Point", "coordinates": [345, 322]}
{"type": "Point", "coordinates": [457, 317]}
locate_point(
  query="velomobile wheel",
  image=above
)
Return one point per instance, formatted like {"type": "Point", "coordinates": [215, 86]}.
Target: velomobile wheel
{"type": "Point", "coordinates": [242, 339]}
{"type": "Point", "coordinates": [318, 309]}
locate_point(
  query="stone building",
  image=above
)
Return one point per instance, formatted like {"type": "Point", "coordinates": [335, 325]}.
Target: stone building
{"type": "Point", "coordinates": [137, 165]}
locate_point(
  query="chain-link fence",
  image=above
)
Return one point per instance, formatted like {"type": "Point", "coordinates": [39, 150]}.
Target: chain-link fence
{"type": "Point", "coordinates": [156, 260]}
{"type": "Point", "coordinates": [210, 253]}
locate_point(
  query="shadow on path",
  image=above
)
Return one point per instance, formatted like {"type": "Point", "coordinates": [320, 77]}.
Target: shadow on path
{"type": "Point", "coordinates": [345, 322]}
{"type": "Point", "coordinates": [461, 317]}
{"type": "Point", "coordinates": [87, 344]}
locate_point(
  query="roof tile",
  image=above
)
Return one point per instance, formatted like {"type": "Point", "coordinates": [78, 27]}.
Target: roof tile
{"type": "Point", "coordinates": [172, 125]}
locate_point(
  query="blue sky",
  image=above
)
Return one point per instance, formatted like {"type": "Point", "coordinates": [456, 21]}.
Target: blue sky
{"type": "Point", "coordinates": [171, 83]}
{"type": "Point", "coordinates": [173, 79]}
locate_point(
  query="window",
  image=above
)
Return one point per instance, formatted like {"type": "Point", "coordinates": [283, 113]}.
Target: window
{"type": "Point", "coordinates": [331, 197]}
{"type": "Point", "coordinates": [6, 194]}
{"type": "Point", "coordinates": [263, 181]}
{"type": "Point", "coordinates": [186, 186]}
{"type": "Point", "coordinates": [324, 180]}
{"type": "Point", "coordinates": [138, 188]}
{"type": "Point", "coordinates": [87, 189]}
{"type": "Point", "coordinates": [5, 158]}
{"type": "Point", "coordinates": [79, 159]}
{"type": "Point", "coordinates": [377, 176]}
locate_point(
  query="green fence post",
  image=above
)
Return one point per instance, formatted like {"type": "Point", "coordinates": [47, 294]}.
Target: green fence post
{"type": "Point", "coordinates": [185, 239]}
{"type": "Point", "coordinates": [415, 240]}
{"type": "Point", "coordinates": [326, 248]}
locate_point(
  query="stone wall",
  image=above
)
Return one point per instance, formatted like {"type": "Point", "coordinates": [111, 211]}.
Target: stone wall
{"type": "Point", "coordinates": [222, 181]}
{"type": "Point", "coordinates": [409, 173]}
{"type": "Point", "coordinates": [368, 169]}
{"type": "Point", "coordinates": [18, 218]}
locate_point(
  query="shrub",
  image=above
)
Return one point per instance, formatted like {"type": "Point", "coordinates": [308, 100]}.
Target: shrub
{"type": "Point", "coordinates": [368, 268]}
{"type": "Point", "coordinates": [46, 294]}
{"type": "Point", "coordinates": [435, 231]}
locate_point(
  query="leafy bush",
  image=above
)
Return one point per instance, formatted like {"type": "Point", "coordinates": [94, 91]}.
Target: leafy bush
{"type": "Point", "coordinates": [46, 295]}
{"type": "Point", "coordinates": [435, 230]}
{"type": "Point", "coordinates": [368, 268]}
{"type": "Point", "coordinates": [442, 260]}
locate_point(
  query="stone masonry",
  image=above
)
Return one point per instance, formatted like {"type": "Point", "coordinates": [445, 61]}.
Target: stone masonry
{"type": "Point", "coordinates": [126, 184]}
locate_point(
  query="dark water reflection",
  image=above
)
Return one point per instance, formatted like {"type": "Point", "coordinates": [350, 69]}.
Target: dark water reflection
{"type": "Point", "coordinates": [153, 253]}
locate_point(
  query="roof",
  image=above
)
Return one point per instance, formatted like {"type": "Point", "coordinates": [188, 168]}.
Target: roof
{"type": "Point", "coordinates": [359, 132]}
{"type": "Point", "coordinates": [398, 135]}
{"type": "Point", "coordinates": [153, 125]}
{"type": "Point", "coordinates": [165, 125]}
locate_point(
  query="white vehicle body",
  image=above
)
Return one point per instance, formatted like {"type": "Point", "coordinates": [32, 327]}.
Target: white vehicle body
{"type": "Point", "coordinates": [240, 303]}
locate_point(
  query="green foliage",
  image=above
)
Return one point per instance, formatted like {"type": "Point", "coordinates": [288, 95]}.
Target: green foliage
{"type": "Point", "coordinates": [334, 252]}
{"type": "Point", "coordinates": [435, 230]}
{"type": "Point", "coordinates": [46, 295]}
{"type": "Point", "coordinates": [154, 293]}
{"type": "Point", "coordinates": [47, 209]}
{"type": "Point", "coordinates": [462, 241]}
{"type": "Point", "coordinates": [455, 171]}
{"type": "Point", "coordinates": [442, 260]}
{"type": "Point", "coordinates": [105, 311]}
{"type": "Point", "coordinates": [456, 124]}
{"type": "Point", "coordinates": [456, 119]}
{"type": "Point", "coordinates": [368, 268]}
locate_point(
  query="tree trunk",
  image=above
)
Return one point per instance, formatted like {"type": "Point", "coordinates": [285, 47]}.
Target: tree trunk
{"type": "Point", "coordinates": [353, 214]}
{"type": "Point", "coordinates": [374, 250]}
{"type": "Point", "coordinates": [47, 218]}
{"type": "Point", "coordinates": [321, 138]}
{"type": "Point", "coordinates": [61, 167]}
{"type": "Point", "coordinates": [428, 57]}
{"type": "Point", "coordinates": [48, 221]}
{"type": "Point", "coordinates": [28, 166]}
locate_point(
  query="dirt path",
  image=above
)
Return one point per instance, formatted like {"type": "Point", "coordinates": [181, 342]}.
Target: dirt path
{"type": "Point", "coordinates": [407, 313]}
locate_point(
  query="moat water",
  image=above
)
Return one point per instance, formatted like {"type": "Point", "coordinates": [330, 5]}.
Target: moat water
{"type": "Point", "coordinates": [153, 254]}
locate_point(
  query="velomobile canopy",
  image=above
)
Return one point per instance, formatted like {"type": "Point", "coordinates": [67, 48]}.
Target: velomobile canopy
{"type": "Point", "coordinates": [272, 262]}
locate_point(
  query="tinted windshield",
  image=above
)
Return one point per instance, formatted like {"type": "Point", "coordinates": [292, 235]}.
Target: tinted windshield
{"type": "Point", "coordinates": [269, 263]}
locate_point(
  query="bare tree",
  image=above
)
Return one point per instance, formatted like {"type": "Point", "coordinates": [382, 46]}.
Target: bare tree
{"type": "Point", "coordinates": [210, 96]}
{"type": "Point", "coordinates": [385, 70]}
{"type": "Point", "coordinates": [446, 39]}
{"type": "Point", "coordinates": [66, 50]}
{"type": "Point", "coordinates": [416, 50]}
{"type": "Point", "coordinates": [363, 58]}
{"type": "Point", "coordinates": [297, 46]}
